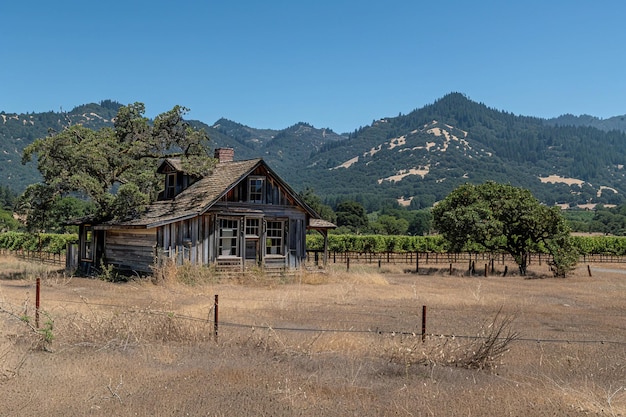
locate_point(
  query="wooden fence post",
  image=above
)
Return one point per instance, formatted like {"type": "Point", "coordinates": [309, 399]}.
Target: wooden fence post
{"type": "Point", "coordinates": [215, 317]}
{"type": "Point", "coordinates": [417, 262]}
{"type": "Point", "coordinates": [37, 299]}
{"type": "Point", "coordinates": [423, 323]}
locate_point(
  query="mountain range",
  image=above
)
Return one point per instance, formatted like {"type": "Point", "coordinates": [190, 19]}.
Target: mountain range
{"type": "Point", "coordinates": [414, 159]}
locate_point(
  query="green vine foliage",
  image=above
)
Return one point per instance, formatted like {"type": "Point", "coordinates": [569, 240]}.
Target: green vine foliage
{"type": "Point", "coordinates": [45, 242]}
{"type": "Point", "coordinates": [377, 243]}
{"type": "Point", "coordinates": [585, 245]}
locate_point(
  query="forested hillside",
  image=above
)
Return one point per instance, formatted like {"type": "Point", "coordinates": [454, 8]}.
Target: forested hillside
{"type": "Point", "coordinates": [612, 123]}
{"type": "Point", "coordinates": [19, 130]}
{"type": "Point", "coordinates": [413, 159]}
{"type": "Point", "coordinates": [420, 157]}
{"type": "Point", "coordinates": [284, 150]}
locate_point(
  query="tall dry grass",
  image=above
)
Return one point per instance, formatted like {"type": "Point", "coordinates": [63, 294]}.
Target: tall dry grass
{"type": "Point", "coordinates": [142, 349]}
{"type": "Point", "coordinates": [12, 268]}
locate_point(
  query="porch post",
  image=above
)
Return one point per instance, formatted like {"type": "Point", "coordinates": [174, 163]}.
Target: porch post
{"type": "Point", "coordinates": [325, 234]}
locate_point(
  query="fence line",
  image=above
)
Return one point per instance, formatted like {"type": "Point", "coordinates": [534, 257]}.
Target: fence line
{"type": "Point", "coordinates": [423, 334]}
{"type": "Point", "coordinates": [36, 256]}
{"type": "Point", "coordinates": [408, 258]}
{"type": "Point", "coordinates": [411, 258]}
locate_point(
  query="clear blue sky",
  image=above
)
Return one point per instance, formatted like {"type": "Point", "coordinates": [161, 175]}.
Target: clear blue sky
{"type": "Point", "coordinates": [331, 63]}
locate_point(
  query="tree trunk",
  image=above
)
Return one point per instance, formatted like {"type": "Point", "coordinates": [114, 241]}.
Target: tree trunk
{"type": "Point", "coordinates": [523, 264]}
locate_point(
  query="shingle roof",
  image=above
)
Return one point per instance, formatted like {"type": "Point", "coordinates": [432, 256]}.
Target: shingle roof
{"type": "Point", "coordinates": [204, 193]}
{"type": "Point", "coordinates": [174, 163]}
{"type": "Point", "coordinates": [197, 198]}
{"type": "Point", "coordinates": [321, 224]}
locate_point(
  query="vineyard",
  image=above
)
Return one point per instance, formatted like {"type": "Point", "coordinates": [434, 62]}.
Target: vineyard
{"type": "Point", "coordinates": [42, 242]}
{"type": "Point", "coordinates": [606, 246]}
{"type": "Point", "coordinates": [586, 245]}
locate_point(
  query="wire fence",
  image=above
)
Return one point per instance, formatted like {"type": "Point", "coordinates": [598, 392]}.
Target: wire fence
{"type": "Point", "coordinates": [417, 258]}
{"type": "Point", "coordinates": [345, 258]}
{"type": "Point", "coordinates": [348, 326]}
{"type": "Point", "coordinates": [353, 320]}
{"type": "Point", "coordinates": [43, 257]}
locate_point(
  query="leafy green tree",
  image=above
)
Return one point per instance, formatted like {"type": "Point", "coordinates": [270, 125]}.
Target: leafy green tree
{"type": "Point", "coordinates": [7, 198]}
{"type": "Point", "coordinates": [352, 215]}
{"type": "Point", "coordinates": [315, 202]}
{"type": "Point", "coordinates": [420, 223]}
{"type": "Point", "coordinates": [35, 206]}
{"type": "Point", "coordinates": [501, 217]}
{"type": "Point", "coordinates": [66, 210]}
{"type": "Point", "coordinates": [7, 222]}
{"type": "Point", "coordinates": [607, 220]}
{"type": "Point", "coordinates": [386, 224]}
{"type": "Point", "coordinates": [115, 168]}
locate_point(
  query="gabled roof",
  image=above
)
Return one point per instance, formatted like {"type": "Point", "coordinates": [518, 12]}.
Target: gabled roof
{"type": "Point", "coordinates": [203, 194]}
{"type": "Point", "coordinates": [170, 164]}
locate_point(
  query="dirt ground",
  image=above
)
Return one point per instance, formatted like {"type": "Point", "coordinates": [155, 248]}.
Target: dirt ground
{"type": "Point", "coordinates": [317, 344]}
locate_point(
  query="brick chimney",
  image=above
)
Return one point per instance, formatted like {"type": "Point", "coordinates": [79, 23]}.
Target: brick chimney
{"type": "Point", "coordinates": [224, 154]}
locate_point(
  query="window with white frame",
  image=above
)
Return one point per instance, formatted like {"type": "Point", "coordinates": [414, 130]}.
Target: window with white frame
{"type": "Point", "coordinates": [88, 243]}
{"type": "Point", "coordinates": [275, 231]}
{"type": "Point", "coordinates": [255, 189]}
{"type": "Point", "coordinates": [252, 227]}
{"type": "Point", "coordinates": [228, 244]}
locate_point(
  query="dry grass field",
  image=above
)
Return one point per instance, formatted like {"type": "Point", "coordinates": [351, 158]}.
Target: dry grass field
{"type": "Point", "coordinates": [316, 344]}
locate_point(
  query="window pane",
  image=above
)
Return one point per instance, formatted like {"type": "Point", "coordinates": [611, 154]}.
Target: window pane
{"type": "Point", "coordinates": [170, 188]}
{"type": "Point", "coordinates": [255, 192]}
{"type": "Point", "coordinates": [228, 237]}
{"type": "Point", "coordinates": [274, 241]}
{"type": "Point", "coordinates": [252, 227]}
{"type": "Point", "coordinates": [88, 244]}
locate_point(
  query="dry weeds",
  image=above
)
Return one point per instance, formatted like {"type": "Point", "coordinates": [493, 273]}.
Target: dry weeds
{"type": "Point", "coordinates": [315, 344]}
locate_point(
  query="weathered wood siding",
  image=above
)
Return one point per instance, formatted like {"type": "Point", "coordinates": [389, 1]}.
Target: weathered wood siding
{"type": "Point", "coordinates": [130, 248]}
{"type": "Point", "coordinates": [186, 240]}
{"type": "Point", "coordinates": [297, 241]}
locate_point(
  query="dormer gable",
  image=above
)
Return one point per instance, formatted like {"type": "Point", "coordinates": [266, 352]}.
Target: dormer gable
{"type": "Point", "coordinates": [260, 187]}
{"type": "Point", "coordinates": [176, 180]}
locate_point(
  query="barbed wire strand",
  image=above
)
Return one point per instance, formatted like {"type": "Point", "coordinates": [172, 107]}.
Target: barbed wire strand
{"type": "Point", "coordinates": [320, 330]}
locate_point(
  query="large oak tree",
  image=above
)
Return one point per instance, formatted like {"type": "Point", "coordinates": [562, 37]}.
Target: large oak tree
{"type": "Point", "coordinates": [115, 168]}
{"type": "Point", "coordinates": [503, 218]}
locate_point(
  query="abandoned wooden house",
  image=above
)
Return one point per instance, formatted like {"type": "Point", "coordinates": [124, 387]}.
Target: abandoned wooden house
{"type": "Point", "coordinates": [239, 216]}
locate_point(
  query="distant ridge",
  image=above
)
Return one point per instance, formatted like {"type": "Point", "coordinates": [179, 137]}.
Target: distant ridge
{"type": "Point", "coordinates": [412, 160]}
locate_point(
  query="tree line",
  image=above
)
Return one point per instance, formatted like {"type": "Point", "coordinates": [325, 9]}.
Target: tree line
{"type": "Point", "coordinates": [110, 173]}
